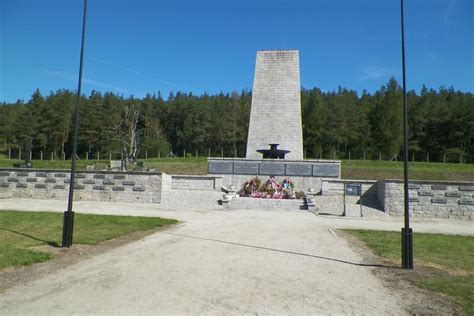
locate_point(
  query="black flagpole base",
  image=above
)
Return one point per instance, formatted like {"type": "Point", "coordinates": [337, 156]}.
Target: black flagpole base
{"type": "Point", "coordinates": [67, 229]}
{"type": "Point", "coordinates": [407, 248]}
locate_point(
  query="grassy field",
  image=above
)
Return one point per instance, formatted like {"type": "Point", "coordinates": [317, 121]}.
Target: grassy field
{"type": "Point", "coordinates": [351, 169]}
{"type": "Point", "coordinates": [451, 256]}
{"type": "Point", "coordinates": [20, 231]}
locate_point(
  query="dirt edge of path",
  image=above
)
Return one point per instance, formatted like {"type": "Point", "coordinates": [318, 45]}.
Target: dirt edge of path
{"type": "Point", "coordinates": [417, 301]}
{"type": "Point", "coordinates": [65, 257]}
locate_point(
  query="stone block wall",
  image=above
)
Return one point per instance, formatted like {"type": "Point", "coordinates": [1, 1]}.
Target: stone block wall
{"type": "Point", "coordinates": [182, 182]}
{"type": "Point", "coordinates": [89, 185]}
{"type": "Point", "coordinates": [429, 199]}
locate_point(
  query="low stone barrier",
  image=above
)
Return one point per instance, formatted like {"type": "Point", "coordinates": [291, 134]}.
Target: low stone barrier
{"type": "Point", "coordinates": [89, 185]}
{"type": "Point", "coordinates": [268, 204]}
{"type": "Point", "coordinates": [429, 198]}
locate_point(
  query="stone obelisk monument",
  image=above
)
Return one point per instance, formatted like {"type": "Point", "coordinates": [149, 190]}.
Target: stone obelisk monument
{"type": "Point", "coordinates": [275, 115]}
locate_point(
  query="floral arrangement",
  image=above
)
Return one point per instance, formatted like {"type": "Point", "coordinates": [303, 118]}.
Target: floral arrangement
{"type": "Point", "coordinates": [271, 189]}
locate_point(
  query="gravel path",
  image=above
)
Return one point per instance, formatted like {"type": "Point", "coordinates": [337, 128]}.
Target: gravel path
{"type": "Point", "coordinates": [215, 262]}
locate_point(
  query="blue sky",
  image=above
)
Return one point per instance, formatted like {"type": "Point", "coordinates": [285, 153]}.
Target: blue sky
{"type": "Point", "coordinates": [139, 46]}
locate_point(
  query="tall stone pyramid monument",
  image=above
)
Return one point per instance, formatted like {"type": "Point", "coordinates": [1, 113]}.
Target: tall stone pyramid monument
{"type": "Point", "coordinates": [275, 115]}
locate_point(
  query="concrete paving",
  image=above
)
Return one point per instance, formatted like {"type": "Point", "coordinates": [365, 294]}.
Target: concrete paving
{"type": "Point", "coordinates": [218, 262]}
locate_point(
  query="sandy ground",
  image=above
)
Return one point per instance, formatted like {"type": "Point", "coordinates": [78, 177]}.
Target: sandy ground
{"type": "Point", "coordinates": [224, 262]}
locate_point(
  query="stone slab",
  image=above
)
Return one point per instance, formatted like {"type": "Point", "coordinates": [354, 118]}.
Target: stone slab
{"type": "Point", "coordinates": [4, 173]}
{"type": "Point", "coordinates": [425, 193]}
{"type": "Point", "coordinates": [326, 170]}
{"type": "Point", "coordinates": [439, 187]}
{"type": "Point", "coordinates": [466, 188]}
{"type": "Point", "coordinates": [414, 186]}
{"type": "Point", "coordinates": [59, 187]}
{"type": "Point", "coordinates": [4, 185]}
{"type": "Point", "coordinates": [60, 175]}
{"type": "Point", "coordinates": [438, 200]}
{"type": "Point", "coordinates": [41, 174]}
{"type": "Point", "coordinates": [118, 188]}
{"type": "Point", "coordinates": [21, 185]}
{"type": "Point", "coordinates": [220, 167]}
{"type": "Point", "coordinates": [108, 182]}
{"type": "Point", "coordinates": [13, 179]}
{"type": "Point", "coordinates": [89, 181]}
{"type": "Point", "coordinates": [22, 174]}
{"type": "Point", "coordinates": [99, 176]}
{"type": "Point", "coordinates": [466, 202]}
{"type": "Point", "coordinates": [139, 189]}
{"type": "Point", "coordinates": [31, 180]}
{"type": "Point", "coordinates": [119, 176]}
{"type": "Point", "coordinates": [452, 194]}
{"type": "Point", "coordinates": [250, 168]}
{"type": "Point", "coordinates": [98, 187]}
{"type": "Point", "coordinates": [272, 169]}
{"type": "Point", "coordinates": [80, 176]}
{"type": "Point", "coordinates": [128, 183]}
{"type": "Point", "coordinates": [50, 180]}
{"type": "Point", "coordinates": [296, 169]}
{"type": "Point", "coordinates": [79, 187]}
{"type": "Point", "coordinates": [40, 186]}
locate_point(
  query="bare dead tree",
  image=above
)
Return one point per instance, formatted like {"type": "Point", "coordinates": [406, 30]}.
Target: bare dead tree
{"type": "Point", "coordinates": [130, 132]}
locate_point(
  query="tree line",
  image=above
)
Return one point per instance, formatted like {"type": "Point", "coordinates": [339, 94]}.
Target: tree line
{"type": "Point", "coordinates": [335, 124]}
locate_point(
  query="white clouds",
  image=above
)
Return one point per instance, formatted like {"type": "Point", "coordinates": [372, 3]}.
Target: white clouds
{"type": "Point", "coordinates": [90, 81]}
{"type": "Point", "coordinates": [376, 73]}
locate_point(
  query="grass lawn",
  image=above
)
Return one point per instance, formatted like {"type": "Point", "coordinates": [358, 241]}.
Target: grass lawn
{"type": "Point", "coordinates": [351, 169]}
{"type": "Point", "coordinates": [20, 231]}
{"type": "Point", "coordinates": [452, 256]}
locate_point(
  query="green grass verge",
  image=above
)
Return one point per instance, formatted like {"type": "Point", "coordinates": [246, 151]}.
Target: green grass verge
{"type": "Point", "coordinates": [19, 231]}
{"type": "Point", "coordinates": [452, 255]}
{"type": "Point", "coordinates": [351, 169]}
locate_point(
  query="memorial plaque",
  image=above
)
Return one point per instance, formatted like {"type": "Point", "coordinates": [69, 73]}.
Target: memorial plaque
{"type": "Point", "coordinates": [99, 176]}
{"type": "Point", "coordinates": [414, 186]}
{"type": "Point", "coordinates": [438, 187]}
{"type": "Point", "coordinates": [40, 186]}
{"type": "Point", "coordinates": [119, 176]}
{"type": "Point", "coordinates": [79, 187]}
{"type": "Point", "coordinates": [353, 189]}
{"type": "Point", "coordinates": [425, 193]}
{"type": "Point", "coordinates": [272, 169]}
{"type": "Point", "coordinates": [12, 179]}
{"type": "Point", "coordinates": [466, 188]}
{"type": "Point", "coordinates": [89, 181]}
{"type": "Point", "coordinates": [219, 167]}
{"type": "Point", "coordinates": [466, 202]}
{"type": "Point", "coordinates": [59, 187]}
{"type": "Point", "coordinates": [128, 183]}
{"type": "Point", "coordinates": [118, 188]}
{"type": "Point", "coordinates": [98, 187]}
{"type": "Point", "coordinates": [139, 189]}
{"type": "Point", "coordinates": [245, 168]}
{"type": "Point", "coordinates": [326, 170]}
{"type": "Point", "coordinates": [67, 180]}
{"type": "Point", "coordinates": [298, 169]}
{"type": "Point", "coordinates": [439, 201]}
{"type": "Point", "coordinates": [108, 182]}
{"type": "Point", "coordinates": [22, 174]}
{"type": "Point", "coordinates": [80, 176]}
{"type": "Point", "coordinates": [4, 184]}
{"type": "Point", "coordinates": [414, 199]}
{"type": "Point", "coordinates": [452, 194]}
{"type": "Point", "coordinates": [31, 180]}
{"type": "Point", "coordinates": [7, 173]}
{"type": "Point", "coordinates": [60, 175]}
{"type": "Point", "coordinates": [41, 174]}
{"type": "Point", "coordinates": [21, 185]}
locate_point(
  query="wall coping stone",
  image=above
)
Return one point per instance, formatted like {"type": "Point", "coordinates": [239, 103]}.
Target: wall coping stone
{"type": "Point", "coordinates": [436, 182]}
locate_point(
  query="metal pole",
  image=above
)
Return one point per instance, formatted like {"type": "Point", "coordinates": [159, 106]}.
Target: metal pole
{"type": "Point", "coordinates": [68, 225]}
{"type": "Point", "coordinates": [407, 233]}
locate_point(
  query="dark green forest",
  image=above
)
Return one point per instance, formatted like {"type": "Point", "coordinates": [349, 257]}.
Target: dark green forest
{"type": "Point", "coordinates": [340, 124]}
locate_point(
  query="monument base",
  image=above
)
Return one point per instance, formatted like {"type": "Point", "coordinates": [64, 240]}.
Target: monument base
{"type": "Point", "coordinates": [304, 173]}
